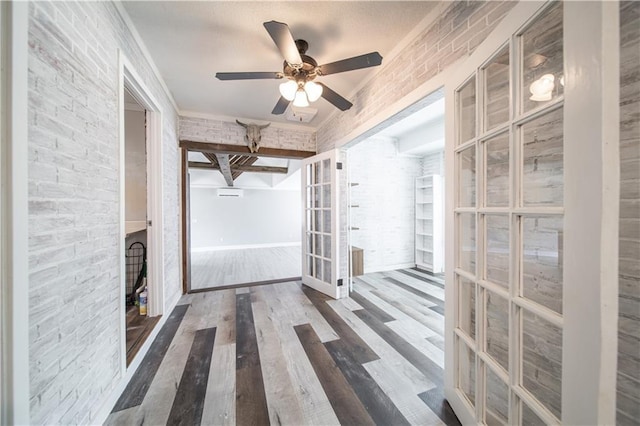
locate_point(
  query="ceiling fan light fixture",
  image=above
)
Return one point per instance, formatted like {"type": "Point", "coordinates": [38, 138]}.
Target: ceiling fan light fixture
{"type": "Point", "coordinates": [288, 90]}
{"type": "Point", "coordinates": [301, 99]}
{"type": "Point", "coordinates": [314, 91]}
{"type": "Point", "coordinates": [542, 89]}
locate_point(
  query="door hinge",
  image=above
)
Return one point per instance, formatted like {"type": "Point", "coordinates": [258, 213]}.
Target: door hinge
{"type": "Point", "coordinates": [339, 282]}
{"type": "Point", "coordinates": [148, 223]}
{"type": "Point", "coordinates": [339, 165]}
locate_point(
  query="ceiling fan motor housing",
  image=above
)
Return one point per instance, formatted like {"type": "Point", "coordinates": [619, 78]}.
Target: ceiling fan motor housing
{"type": "Point", "coordinates": [309, 65]}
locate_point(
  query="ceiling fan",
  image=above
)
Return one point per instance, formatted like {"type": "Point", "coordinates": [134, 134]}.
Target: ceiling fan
{"type": "Point", "coordinates": [300, 70]}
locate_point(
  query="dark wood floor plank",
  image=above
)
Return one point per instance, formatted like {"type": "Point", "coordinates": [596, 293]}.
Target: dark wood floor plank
{"type": "Point", "coordinates": [139, 327]}
{"type": "Point", "coordinates": [371, 307]}
{"type": "Point", "coordinates": [251, 401]}
{"type": "Point", "coordinates": [438, 309]}
{"type": "Point", "coordinates": [139, 385]}
{"type": "Point", "coordinates": [189, 401]}
{"type": "Point", "coordinates": [415, 291]}
{"type": "Point", "coordinates": [434, 398]}
{"type": "Point", "coordinates": [341, 395]}
{"type": "Point", "coordinates": [361, 352]}
{"type": "Point", "coordinates": [424, 364]}
{"type": "Point", "coordinates": [419, 276]}
{"type": "Point", "coordinates": [377, 403]}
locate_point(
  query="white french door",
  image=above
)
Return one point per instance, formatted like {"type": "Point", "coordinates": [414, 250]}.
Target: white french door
{"type": "Point", "coordinates": [320, 215]}
{"type": "Point", "coordinates": [532, 178]}
{"type": "Point", "coordinates": [506, 213]}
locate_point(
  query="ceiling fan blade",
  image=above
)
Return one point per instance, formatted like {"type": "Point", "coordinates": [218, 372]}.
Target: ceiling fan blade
{"type": "Point", "coordinates": [357, 62]}
{"type": "Point", "coordinates": [282, 37]}
{"type": "Point", "coordinates": [341, 103]}
{"type": "Point", "coordinates": [247, 75]}
{"type": "Point", "coordinates": [281, 106]}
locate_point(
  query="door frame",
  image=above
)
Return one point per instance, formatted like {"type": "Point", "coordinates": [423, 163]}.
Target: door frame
{"type": "Point", "coordinates": [129, 79]}
{"type": "Point", "coordinates": [187, 146]}
{"type": "Point", "coordinates": [14, 235]}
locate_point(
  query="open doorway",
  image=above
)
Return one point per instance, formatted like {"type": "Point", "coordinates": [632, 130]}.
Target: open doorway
{"type": "Point", "coordinates": [138, 323]}
{"type": "Point", "coordinates": [396, 230]}
{"type": "Point", "coordinates": [397, 178]}
{"type": "Point", "coordinates": [243, 221]}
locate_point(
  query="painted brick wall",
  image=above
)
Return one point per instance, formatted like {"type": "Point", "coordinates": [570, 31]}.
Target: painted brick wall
{"type": "Point", "coordinates": [74, 282]}
{"type": "Point", "coordinates": [385, 198]}
{"type": "Point", "coordinates": [455, 34]}
{"type": "Point", "coordinates": [628, 397]}
{"type": "Point", "coordinates": [229, 132]}
{"type": "Point", "coordinates": [433, 164]}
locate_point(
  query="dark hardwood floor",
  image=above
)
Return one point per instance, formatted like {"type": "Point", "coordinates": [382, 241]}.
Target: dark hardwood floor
{"type": "Point", "coordinates": [286, 354]}
{"type": "Point", "coordinates": [138, 329]}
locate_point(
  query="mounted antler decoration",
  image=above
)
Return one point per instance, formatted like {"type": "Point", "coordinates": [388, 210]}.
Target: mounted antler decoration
{"type": "Point", "coordinates": [253, 135]}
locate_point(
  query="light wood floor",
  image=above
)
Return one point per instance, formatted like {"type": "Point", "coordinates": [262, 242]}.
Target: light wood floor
{"type": "Point", "coordinates": [214, 269]}
{"type": "Point", "coordinates": [285, 354]}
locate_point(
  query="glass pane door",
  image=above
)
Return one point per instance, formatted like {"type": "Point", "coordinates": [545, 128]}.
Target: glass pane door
{"type": "Point", "coordinates": [319, 248]}
{"type": "Point", "coordinates": [508, 227]}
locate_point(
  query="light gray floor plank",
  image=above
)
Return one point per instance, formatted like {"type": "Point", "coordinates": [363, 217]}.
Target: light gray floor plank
{"type": "Point", "coordinates": [239, 266]}
{"type": "Point", "coordinates": [395, 363]}
{"type": "Point", "coordinates": [284, 408]}
{"type": "Point", "coordinates": [220, 399]}
{"type": "Point", "coordinates": [409, 404]}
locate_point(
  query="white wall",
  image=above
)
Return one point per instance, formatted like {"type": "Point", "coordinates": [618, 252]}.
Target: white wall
{"type": "Point", "coordinates": [74, 205]}
{"type": "Point", "coordinates": [386, 199]}
{"type": "Point", "coordinates": [260, 217]}
{"type": "Point", "coordinates": [135, 166]}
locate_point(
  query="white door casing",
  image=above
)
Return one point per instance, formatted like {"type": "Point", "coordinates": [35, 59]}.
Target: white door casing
{"type": "Point", "coordinates": [155, 225]}
{"type": "Point", "coordinates": [320, 213]}
{"type": "Point", "coordinates": [517, 162]}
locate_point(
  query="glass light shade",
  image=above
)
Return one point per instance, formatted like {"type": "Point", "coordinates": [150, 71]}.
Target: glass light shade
{"type": "Point", "coordinates": [314, 91]}
{"type": "Point", "coordinates": [288, 90]}
{"type": "Point", "coordinates": [300, 99]}
{"type": "Point", "coordinates": [542, 88]}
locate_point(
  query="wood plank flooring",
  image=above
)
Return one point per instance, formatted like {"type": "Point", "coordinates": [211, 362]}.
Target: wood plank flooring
{"type": "Point", "coordinates": [138, 329]}
{"type": "Point", "coordinates": [285, 354]}
{"type": "Point", "coordinates": [214, 269]}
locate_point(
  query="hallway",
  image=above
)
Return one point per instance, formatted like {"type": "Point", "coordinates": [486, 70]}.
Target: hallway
{"type": "Point", "coordinates": [286, 354]}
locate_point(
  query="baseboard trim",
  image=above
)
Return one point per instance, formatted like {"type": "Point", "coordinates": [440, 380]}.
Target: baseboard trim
{"type": "Point", "coordinates": [244, 246]}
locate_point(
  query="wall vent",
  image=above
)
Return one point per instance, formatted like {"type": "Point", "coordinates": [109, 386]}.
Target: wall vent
{"type": "Point", "coordinates": [230, 192]}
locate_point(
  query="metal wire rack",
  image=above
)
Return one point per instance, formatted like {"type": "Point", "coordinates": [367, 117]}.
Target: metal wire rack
{"type": "Point", "coordinates": [135, 260]}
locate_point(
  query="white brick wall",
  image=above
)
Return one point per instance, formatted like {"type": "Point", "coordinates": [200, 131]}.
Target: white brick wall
{"type": "Point", "coordinates": [230, 133]}
{"type": "Point", "coordinates": [74, 282]}
{"type": "Point", "coordinates": [455, 34]}
{"type": "Point", "coordinates": [386, 204]}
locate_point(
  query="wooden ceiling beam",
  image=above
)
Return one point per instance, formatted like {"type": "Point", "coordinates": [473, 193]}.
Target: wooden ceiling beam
{"type": "Point", "coordinates": [217, 148]}
{"type": "Point", "coordinates": [225, 168]}
{"type": "Point", "coordinates": [240, 168]}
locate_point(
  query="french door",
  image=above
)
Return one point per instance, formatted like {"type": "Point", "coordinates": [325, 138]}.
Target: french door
{"type": "Point", "coordinates": [320, 223]}
{"type": "Point", "coordinates": [508, 227]}
{"type": "Point", "coordinates": [512, 357]}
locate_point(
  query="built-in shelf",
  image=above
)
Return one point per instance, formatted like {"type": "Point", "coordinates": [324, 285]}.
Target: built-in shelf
{"type": "Point", "coordinates": [133, 226]}
{"type": "Point", "coordinates": [429, 229]}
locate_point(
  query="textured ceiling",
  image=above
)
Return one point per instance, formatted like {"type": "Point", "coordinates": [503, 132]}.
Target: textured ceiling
{"type": "Point", "coordinates": [191, 41]}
